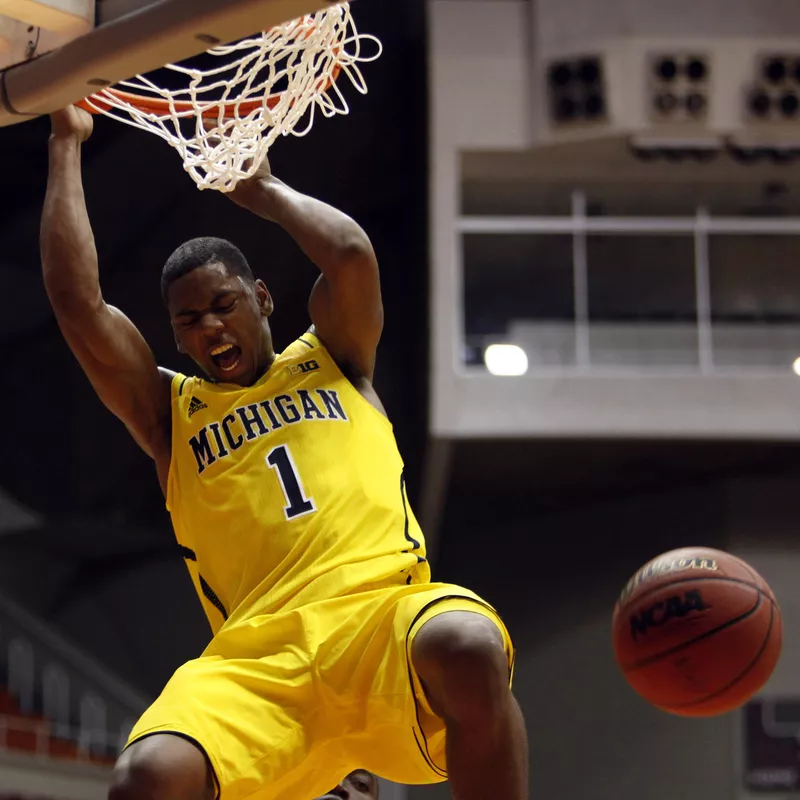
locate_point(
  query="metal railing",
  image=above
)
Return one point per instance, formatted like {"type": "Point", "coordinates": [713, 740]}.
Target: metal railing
{"type": "Point", "coordinates": [45, 712]}
{"type": "Point", "coordinates": [579, 226]}
{"type": "Point", "coordinates": [39, 738]}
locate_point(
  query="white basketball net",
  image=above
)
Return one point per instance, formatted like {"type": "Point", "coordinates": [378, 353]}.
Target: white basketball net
{"type": "Point", "coordinates": [269, 85]}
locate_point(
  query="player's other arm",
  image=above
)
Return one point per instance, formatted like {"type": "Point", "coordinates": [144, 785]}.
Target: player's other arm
{"type": "Point", "coordinates": [345, 303]}
{"type": "Point", "coordinates": [111, 350]}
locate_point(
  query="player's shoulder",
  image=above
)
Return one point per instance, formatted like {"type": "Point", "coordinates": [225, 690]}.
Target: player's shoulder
{"type": "Point", "coordinates": [310, 349]}
{"type": "Point", "coordinates": [305, 348]}
{"type": "Point", "coordinates": [303, 344]}
{"type": "Point", "coordinates": [167, 376]}
{"type": "Point", "coordinates": [176, 383]}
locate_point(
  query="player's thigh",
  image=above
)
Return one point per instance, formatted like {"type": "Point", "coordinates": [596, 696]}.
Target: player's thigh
{"type": "Point", "coordinates": [401, 737]}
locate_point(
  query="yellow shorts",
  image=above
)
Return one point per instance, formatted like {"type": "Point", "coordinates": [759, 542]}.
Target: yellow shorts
{"type": "Point", "coordinates": [286, 705]}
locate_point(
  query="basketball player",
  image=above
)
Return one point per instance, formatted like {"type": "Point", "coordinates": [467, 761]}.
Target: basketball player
{"type": "Point", "coordinates": [358, 785]}
{"type": "Point", "coordinates": [332, 649]}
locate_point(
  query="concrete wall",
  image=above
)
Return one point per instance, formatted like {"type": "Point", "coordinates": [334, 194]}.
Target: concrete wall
{"type": "Point", "coordinates": [28, 776]}
{"type": "Point", "coordinates": [482, 97]}
{"type": "Point", "coordinates": [561, 25]}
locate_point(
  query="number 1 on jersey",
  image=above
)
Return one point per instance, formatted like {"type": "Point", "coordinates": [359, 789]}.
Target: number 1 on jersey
{"type": "Point", "coordinates": [297, 504]}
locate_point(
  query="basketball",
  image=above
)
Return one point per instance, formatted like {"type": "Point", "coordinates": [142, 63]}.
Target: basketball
{"type": "Point", "coordinates": [697, 632]}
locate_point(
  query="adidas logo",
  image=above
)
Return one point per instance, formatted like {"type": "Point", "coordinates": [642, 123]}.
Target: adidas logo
{"type": "Point", "coordinates": [195, 405]}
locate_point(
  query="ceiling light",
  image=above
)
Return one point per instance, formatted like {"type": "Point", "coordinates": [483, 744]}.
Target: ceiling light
{"type": "Point", "coordinates": [505, 359]}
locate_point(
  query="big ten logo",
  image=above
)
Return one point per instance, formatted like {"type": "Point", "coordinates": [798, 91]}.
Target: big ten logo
{"type": "Point", "coordinates": [304, 368]}
{"type": "Point", "coordinates": [661, 612]}
{"type": "Point", "coordinates": [664, 566]}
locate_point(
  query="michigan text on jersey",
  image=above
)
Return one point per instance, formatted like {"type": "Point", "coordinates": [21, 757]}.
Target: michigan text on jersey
{"type": "Point", "coordinates": [217, 440]}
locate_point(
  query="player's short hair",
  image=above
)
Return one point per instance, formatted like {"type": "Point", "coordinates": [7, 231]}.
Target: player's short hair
{"type": "Point", "coordinates": [199, 253]}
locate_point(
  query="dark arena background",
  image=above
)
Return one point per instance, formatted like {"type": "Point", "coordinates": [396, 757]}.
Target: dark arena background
{"type": "Point", "coordinates": [587, 217]}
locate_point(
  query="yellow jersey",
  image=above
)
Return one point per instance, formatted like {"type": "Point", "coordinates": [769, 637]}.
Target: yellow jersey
{"type": "Point", "coordinates": [289, 491]}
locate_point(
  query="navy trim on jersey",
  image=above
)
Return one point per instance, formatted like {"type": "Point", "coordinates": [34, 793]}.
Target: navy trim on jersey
{"type": "Point", "coordinates": [187, 553]}
{"type": "Point", "coordinates": [212, 598]}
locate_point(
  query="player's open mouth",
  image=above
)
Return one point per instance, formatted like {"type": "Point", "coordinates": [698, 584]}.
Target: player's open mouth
{"type": "Point", "coordinates": [226, 357]}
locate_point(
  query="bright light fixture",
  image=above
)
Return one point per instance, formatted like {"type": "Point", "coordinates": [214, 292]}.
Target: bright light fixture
{"type": "Point", "coordinates": [505, 359]}
{"type": "Point", "coordinates": [796, 366]}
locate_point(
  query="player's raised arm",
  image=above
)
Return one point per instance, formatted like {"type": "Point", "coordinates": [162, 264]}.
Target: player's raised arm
{"type": "Point", "coordinates": [108, 346]}
{"type": "Point", "coordinates": [345, 304]}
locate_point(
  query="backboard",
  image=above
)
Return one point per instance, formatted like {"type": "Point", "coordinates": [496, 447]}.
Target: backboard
{"type": "Point", "coordinates": [94, 45]}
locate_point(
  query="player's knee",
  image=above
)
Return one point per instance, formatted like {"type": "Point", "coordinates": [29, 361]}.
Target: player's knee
{"type": "Point", "coordinates": [459, 642]}
{"type": "Point", "coordinates": [161, 768]}
{"type": "Point", "coordinates": [140, 778]}
{"type": "Point", "coordinates": [461, 660]}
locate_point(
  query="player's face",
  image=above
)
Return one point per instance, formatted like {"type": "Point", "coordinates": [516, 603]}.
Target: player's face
{"type": "Point", "coordinates": [220, 321]}
{"type": "Point", "coordinates": [358, 785]}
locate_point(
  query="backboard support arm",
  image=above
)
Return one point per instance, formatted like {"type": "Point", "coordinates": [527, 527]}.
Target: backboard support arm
{"type": "Point", "coordinates": [137, 42]}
